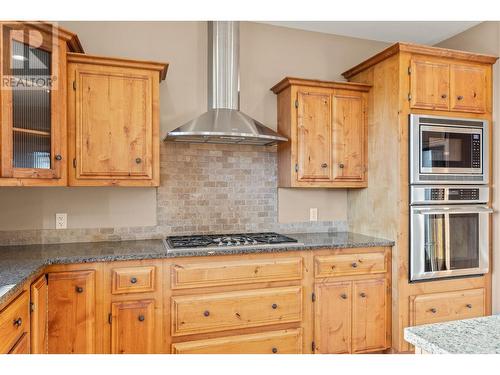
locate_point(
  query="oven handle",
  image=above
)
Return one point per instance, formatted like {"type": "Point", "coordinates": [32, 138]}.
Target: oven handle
{"type": "Point", "coordinates": [452, 210]}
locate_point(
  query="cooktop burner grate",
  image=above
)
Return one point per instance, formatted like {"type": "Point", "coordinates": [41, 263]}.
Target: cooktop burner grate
{"type": "Point", "coordinates": [221, 240]}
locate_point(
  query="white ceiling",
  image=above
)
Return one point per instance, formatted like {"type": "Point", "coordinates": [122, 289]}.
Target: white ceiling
{"type": "Point", "coordinates": [422, 32]}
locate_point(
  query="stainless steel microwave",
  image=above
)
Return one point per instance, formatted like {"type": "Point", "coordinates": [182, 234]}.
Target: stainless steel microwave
{"type": "Point", "coordinates": [446, 150]}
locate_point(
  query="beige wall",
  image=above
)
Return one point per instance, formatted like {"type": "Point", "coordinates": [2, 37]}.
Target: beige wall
{"type": "Point", "coordinates": [268, 53]}
{"type": "Point", "coordinates": [485, 38]}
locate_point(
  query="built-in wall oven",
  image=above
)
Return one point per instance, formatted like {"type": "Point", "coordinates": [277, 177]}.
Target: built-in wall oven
{"type": "Point", "coordinates": [449, 232]}
{"type": "Point", "coordinates": [447, 150]}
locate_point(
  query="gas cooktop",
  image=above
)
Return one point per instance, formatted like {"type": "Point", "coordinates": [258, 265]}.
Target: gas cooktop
{"type": "Point", "coordinates": [227, 240]}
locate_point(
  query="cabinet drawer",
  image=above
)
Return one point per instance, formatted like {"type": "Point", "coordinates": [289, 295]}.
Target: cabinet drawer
{"type": "Point", "coordinates": [14, 321]}
{"type": "Point", "coordinates": [193, 275]}
{"type": "Point", "coordinates": [440, 307]}
{"type": "Point", "coordinates": [231, 310]}
{"type": "Point", "coordinates": [275, 342]}
{"type": "Point", "coordinates": [349, 264]}
{"type": "Point", "coordinates": [133, 279]}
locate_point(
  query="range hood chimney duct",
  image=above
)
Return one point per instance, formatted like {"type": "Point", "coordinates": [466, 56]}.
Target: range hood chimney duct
{"type": "Point", "coordinates": [223, 122]}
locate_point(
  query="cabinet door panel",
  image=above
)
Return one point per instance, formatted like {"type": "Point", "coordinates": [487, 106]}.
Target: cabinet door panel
{"type": "Point", "coordinates": [22, 346]}
{"type": "Point", "coordinates": [71, 316]}
{"type": "Point", "coordinates": [429, 84]}
{"type": "Point", "coordinates": [332, 318]}
{"type": "Point", "coordinates": [349, 126]}
{"type": "Point", "coordinates": [132, 327]}
{"type": "Point", "coordinates": [39, 311]}
{"type": "Point", "coordinates": [314, 151]}
{"type": "Point", "coordinates": [468, 88]}
{"type": "Point", "coordinates": [113, 124]}
{"type": "Point", "coordinates": [369, 315]}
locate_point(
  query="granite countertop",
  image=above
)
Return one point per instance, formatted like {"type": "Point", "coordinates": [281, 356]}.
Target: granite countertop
{"type": "Point", "coordinates": [19, 263]}
{"type": "Point", "coordinates": [469, 336]}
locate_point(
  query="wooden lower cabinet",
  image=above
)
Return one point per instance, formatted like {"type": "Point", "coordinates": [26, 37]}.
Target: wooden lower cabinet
{"type": "Point", "coordinates": [132, 327]}
{"type": "Point", "coordinates": [275, 342]}
{"type": "Point", "coordinates": [350, 316]}
{"type": "Point", "coordinates": [39, 305]}
{"type": "Point", "coordinates": [71, 312]}
{"type": "Point", "coordinates": [14, 322]}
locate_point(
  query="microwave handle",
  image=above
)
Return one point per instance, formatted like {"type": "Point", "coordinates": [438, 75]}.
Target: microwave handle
{"type": "Point", "coordinates": [439, 211]}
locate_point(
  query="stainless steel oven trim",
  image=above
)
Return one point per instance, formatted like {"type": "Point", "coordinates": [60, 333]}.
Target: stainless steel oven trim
{"type": "Point", "coordinates": [417, 270]}
{"type": "Point", "coordinates": [417, 194]}
{"type": "Point", "coordinates": [447, 175]}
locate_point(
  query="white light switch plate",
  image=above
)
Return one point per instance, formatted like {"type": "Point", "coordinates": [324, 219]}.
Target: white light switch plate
{"type": "Point", "coordinates": [313, 214]}
{"type": "Point", "coordinates": [61, 221]}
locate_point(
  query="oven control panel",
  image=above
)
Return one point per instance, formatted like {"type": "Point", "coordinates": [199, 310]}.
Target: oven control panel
{"type": "Point", "coordinates": [448, 194]}
{"type": "Point", "coordinates": [476, 151]}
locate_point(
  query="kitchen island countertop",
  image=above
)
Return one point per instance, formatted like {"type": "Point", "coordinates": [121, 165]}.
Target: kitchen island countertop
{"type": "Point", "coordinates": [468, 336]}
{"type": "Point", "coordinates": [19, 263]}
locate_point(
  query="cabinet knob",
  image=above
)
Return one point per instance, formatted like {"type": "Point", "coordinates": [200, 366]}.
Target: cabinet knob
{"type": "Point", "coordinates": [324, 165]}
{"type": "Point", "coordinates": [354, 265]}
{"type": "Point", "coordinates": [460, 97]}
{"type": "Point", "coordinates": [362, 295]}
{"type": "Point", "coordinates": [274, 306]}
{"type": "Point", "coordinates": [274, 350]}
{"type": "Point", "coordinates": [138, 160]}
{"type": "Point", "coordinates": [343, 296]}
{"type": "Point", "coordinates": [469, 306]}
{"type": "Point", "coordinates": [79, 289]}
{"type": "Point", "coordinates": [58, 157]}
{"type": "Point", "coordinates": [444, 96]}
{"type": "Point", "coordinates": [433, 310]}
{"type": "Point", "coordinates": [206, 313]}
{"type": "Point", "coordinates": [341, 165]}
{"type": "Point", "coordinates": [18, 322]}
{"type": "Point", "coordinates": [141, 318]}
{"type": "Point", "coordinates": [133, 280]}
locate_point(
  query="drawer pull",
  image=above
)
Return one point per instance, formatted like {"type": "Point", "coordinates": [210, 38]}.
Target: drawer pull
{"type": "Point", "coordinates": [324, 165]}
{"type": "Point", "coordinates": [460, 97]}
{"type": "Point", "coordinates": [138, 160]}
{"type": "Point", "coordinates": [433, 310]}
{"type": "Point", "coordinates": [133, 280]}
{"type": "Point", "coordinates": [141, 318]}
{"type": "Point", "coordinates": [206, 313]}
{"type": "Point", "coordinates": [18, 322]}
{"type": "Point", "coordinates": [343, 296]}
{"type": "Point", "coordinates": [362, 295]}
{"type": "Point", "coordinates": [274, 306]}
{"type": "Point", "coordinates": [469, 306]}
{"type": "Point", "coordinates": [341, 165]}
{"type": "Point", "coordinates": [354, 265]}
{"type": "Point", "coordinates": [274, 350]}
{"type": "Point", "coordinates": [444, 96]}
{"type": "Point", "coordinates": [79, 289]}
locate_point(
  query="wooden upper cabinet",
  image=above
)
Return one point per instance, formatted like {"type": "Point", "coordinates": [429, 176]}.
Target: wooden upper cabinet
{"type": "Point", "coordinates": [132, 327]}
{"type": "Point", "coordinates": [349, 135]}
{"type": "Point", "coordinates": [468, 87]}
{"type": "Point", "coordinates": [314, 132]}
{"type": "Point", "coordinates": [71, 312]}
{"type": "Point", "coordinates": [113, 118]}
{"type": "Point", "coordinates": [326, 126]}
{"type": "Point", "coordinates": [429, 84]}
{"type": "Point", "coordinates": [33, 103]}
{"type": "Point", "coordinates": [439, 84]}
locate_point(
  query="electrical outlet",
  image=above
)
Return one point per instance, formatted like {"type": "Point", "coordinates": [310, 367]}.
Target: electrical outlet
{"type": "Point", "coordinates": [313, 214]}
{"type": "Point", "coordinates": [61, 221]}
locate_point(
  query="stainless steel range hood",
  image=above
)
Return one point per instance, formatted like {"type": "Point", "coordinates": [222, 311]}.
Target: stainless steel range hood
{"type": "Point", "coordinates": [223, 122]}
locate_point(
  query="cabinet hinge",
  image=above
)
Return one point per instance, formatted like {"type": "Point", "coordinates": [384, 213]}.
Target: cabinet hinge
{"type": "Point", "coordinates": [47, 278]}
{"type": "Point", "coordinates": [313, 297]}
{"type": "Point", "coordinates": [313, 346]}
{"type": "Point", "coordinates": [110, 318]}
{"type": "Point", "coordinates": [409, 96]}
{"type": "Point", "coordinates": [74, 85]}
{"type": "Point", "coordinates": [409, 70]}
{"type": "Point", "coordinates": [32, 306]}
{"type": "Point", "coordinates": [296, 103]}
{"type": "Point", "coordinates": [74, 163]}
{"type": "Point", "coordinates": [296, 168]}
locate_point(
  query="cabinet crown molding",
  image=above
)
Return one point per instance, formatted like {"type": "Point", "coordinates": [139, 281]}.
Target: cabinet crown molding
{"type": "Point", "coordinates": [294, 81]}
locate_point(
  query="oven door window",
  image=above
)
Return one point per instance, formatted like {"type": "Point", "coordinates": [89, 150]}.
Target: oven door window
{"type": "Point", "coordinates": [464, 240]}
{"type": "Point", "coordinates": [434, 243]}
{"type": "Point", "coordinates": [446, 149]}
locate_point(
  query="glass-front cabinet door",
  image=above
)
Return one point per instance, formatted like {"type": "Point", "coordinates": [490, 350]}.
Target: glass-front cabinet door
{"type": "Point", "coordinates": [33, 102]}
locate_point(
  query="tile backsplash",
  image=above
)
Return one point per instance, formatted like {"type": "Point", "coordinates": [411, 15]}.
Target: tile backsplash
{"type": "Point", "coordinates": [204, 189]}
